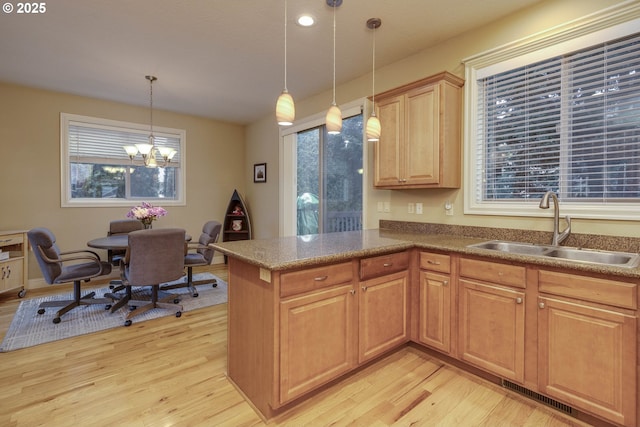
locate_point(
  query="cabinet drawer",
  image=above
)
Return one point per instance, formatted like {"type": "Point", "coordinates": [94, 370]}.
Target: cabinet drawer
{"type": "Point", "coordinates": [296, 282]}
{"type": "Point", "coordinates": [435, 262]}
{"type": "Point", "coordinates": [610, 292]}
{"type": "Point", "coordinates": [11, 239]}
{"type": "Point", "coordinates": [494, 272]}
{"type": "Point", "coordinates": [383, 264]}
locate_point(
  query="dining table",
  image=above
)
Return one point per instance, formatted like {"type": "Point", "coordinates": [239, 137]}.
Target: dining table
{"type": "Point", "coordinates": [117, 241]}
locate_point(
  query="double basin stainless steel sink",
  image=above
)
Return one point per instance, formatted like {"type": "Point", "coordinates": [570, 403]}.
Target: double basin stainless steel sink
{"type": "Point", "coordinates": [588, 256]}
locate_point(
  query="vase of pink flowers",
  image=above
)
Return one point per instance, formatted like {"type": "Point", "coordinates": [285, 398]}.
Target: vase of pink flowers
{"type": "Point", "coordinates": [146, 213]}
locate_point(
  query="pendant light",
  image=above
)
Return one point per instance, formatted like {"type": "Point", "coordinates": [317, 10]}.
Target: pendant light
{"type": "Point", "coordinates": [373, 123]}
{"type": "Point", "coordinates": [334, 115]}
{"type": "Point", "coordinates": [285, 108]}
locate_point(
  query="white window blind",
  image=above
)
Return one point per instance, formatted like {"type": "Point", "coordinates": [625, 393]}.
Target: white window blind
{"type": "Point", "coordinates": [570, 124]}
{"type": "Point", "coordinates": [93, 143]}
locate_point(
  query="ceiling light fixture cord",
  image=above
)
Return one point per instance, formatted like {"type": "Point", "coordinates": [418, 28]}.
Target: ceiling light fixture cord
{"type": "Point", "coordinates": [285, 46]}
{"type": "Point", "coordinates": [151, 80]}
{"type": "Point", "coordinates": [333, 120]}
{"type": "Point", "coordinates": [334, 53]}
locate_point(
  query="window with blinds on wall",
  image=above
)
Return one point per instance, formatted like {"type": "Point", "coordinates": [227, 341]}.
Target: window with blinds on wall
{"type": "Point", "coordinates": [570, 124]}
{"type": "Point", "coordinates": [98, 170]}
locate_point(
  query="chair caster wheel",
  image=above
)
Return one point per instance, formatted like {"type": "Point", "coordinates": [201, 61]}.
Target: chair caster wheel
{"type": "Point", "coordinates": [107, 307]}
{"type": "Point", "coordinates": [176, 300]}
{"type": "Point", "coordinates": [22, 293]}
{"type": "Point", "coordinates": [127, 323]}
{"type": "Point", "coordinates": [56, 320]}
{"type": "Point", "coordinates": [215, 285]}
{"type": "Point", "coordinates": [111, 286]}
{"type": "Point", "coordinates": [41, 311]}
{"type": "Point", "coordinates": [178, 313]}
{"type": "Point", "coordinates": [132, 307]}
{"type": "Point", "coordinates": [195, 295]}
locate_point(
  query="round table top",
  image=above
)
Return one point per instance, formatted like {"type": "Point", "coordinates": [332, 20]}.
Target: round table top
{"type": "Point", "coordinates": [117, 241]}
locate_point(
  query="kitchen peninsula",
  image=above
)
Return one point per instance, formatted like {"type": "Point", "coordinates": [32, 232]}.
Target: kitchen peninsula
{"type": "Point", "coordinates": [304, 311]}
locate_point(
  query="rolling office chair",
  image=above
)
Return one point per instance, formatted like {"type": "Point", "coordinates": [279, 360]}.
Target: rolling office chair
{"type": "Point", "coordinates": [120, 226]}
{"type": "Point", "coordinates": [199, 254]}
{"type": "Point", "coordinates": [153, 257]}
{"type": "Point", "coordinates": [63, 267]}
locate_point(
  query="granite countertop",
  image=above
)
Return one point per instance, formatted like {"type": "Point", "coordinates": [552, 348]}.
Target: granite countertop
{"type": "Point", "coordinates": [304, 251]}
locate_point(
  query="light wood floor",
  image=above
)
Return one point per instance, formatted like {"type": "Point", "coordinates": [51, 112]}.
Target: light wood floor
{"type": "Point", "coordinates": [171, 372]}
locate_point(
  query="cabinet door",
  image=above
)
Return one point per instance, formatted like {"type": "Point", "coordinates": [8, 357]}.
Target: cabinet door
{"type": "Point", "coordinates": [422, 147]}
{"type": "Point", "coordinates": [492, 328]}
{"type": "Point", "coordinates": [587, 358]}
{"type": "Point", "coordinates": [388, 150]}
{"type": "Point", "coordinates": [317, 339]}
{"type": "Point", "coordinates": [382, 314]}
{"type": "Point", "coordinates": [435, 311]}
{"type": "Point", "coordinates": [11, 274]}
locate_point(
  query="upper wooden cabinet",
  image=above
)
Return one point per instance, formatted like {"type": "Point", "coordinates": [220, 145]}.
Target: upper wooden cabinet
{"type": "Point", "coordinates": [420, 141]}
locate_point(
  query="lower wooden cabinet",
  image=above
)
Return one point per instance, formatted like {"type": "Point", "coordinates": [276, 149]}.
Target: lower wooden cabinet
{"type": "Point", "coordinates": [492, 328]}
{"type": "Point", "coordinates": [587, 353]}
{"type": "Point", "coordinates": [317, 339]}
{"type": "Point", "coordinates": [434, 293]}
{"type": "Point", "coordinates": [382, 314]}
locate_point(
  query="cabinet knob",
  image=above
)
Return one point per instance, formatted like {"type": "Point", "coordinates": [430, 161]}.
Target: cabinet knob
{"type": "Point", "coordinates": [541, 304]}
{"type": "Point", "coordinates": [445, 283]}
{"type": "Point", "coordinates": [387, 264]}
{"type": "Point", "coordinates": [352, 291]}
{"type": "Point", "coordinates": [364, 288]}
{"type": "Point", "coordinates": [320, 278]}
{"type": "Point", "coordinates": [518, 300]}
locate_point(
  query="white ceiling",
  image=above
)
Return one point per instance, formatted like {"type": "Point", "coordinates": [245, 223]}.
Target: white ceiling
{"type": "Point", "coordinates": [220, 59]}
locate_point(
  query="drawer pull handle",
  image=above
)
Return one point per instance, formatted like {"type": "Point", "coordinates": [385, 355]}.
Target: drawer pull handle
{"type": "Point", "coordinates": [541, 304]}
{"type": "Point", "coordinates": [387, 264]}
{"type": "Point", "coordinates": [3, 273]}
{"type": "Point", "coordinates": [320, 278]}
{"type": "Point", "coordinates": [518, 300]}
{"type": "Point", "coordinates": [5, 240]}
{"type": "Point", "coordinates": [8, 272]}
{"type": "Point", "coordinates": [433, 262]}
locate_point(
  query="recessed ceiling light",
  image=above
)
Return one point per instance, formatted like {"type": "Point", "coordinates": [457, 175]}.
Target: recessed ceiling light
{"type": "Point", "coordinates": [305, 20]}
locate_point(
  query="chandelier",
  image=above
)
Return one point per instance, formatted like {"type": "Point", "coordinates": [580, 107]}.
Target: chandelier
{"type": "Point", "coordinates": [150, 150]}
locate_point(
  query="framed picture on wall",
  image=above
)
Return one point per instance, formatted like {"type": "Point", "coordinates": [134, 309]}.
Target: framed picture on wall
{"type": "Point", "coordinates": [260, 172]}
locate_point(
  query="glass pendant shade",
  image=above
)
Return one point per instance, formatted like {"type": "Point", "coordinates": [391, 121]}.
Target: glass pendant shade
{"type": "Point", "coordinates": [285, 109]}
{"type": "Point", "coordinates": [144, 149]}
{"type": "Point", "coordinates": [373, 128]}
{"type": "Point", "coordinates": [333, 120]}
{"type": "Point", "coordinates": [131, 150]}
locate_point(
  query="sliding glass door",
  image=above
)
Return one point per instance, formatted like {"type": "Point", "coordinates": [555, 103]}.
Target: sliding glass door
{"type": "Point", "coordinates": [329, 178]}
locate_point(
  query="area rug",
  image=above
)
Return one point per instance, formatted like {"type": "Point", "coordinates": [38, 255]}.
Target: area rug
{"type": "Point", "coordinates": [28, 328]}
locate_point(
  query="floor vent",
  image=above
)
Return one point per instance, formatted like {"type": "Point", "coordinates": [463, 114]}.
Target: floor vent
{"type": "Point", "coordinates": [537, 396]}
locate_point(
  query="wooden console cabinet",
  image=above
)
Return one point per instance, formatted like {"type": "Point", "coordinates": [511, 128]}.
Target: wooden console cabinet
{"type": "Point", "coordinates": [13, 269]}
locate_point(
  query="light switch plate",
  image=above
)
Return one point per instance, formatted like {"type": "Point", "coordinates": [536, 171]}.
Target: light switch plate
{"type": "Point", "coordinates": [419, 208]}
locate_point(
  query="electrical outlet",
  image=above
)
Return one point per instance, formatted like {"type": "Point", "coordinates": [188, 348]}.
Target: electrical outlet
{"type": "Point", "coordinates": [419, 208]}
{"type": "Point", "coordinates": [380, 207]}
{"type": "Point", "coordinates": [387, 207]}
{"type": "Point", "coordinates": [410, 208]}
